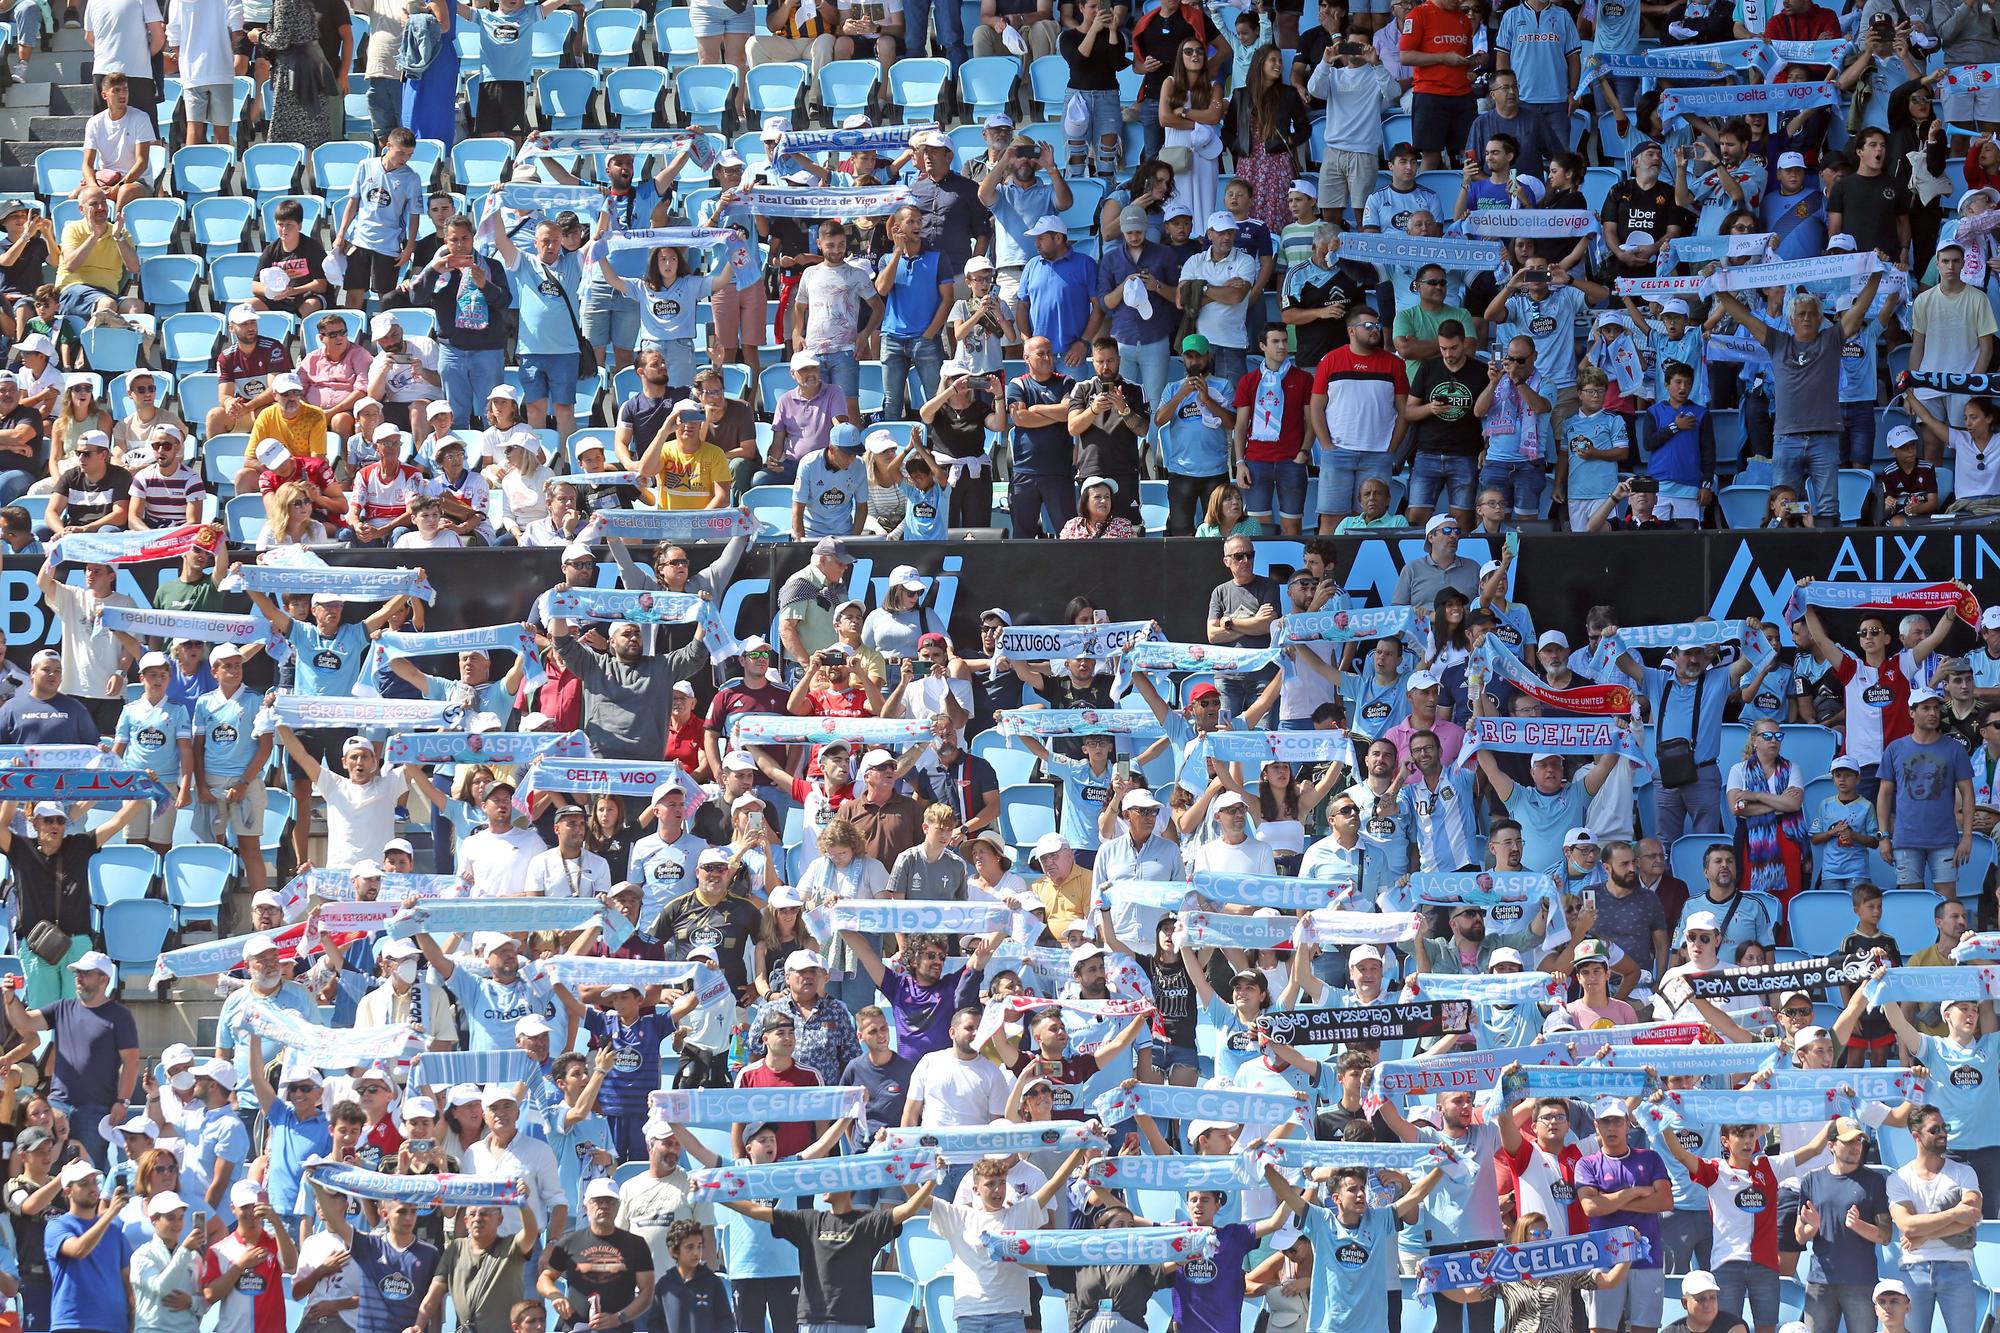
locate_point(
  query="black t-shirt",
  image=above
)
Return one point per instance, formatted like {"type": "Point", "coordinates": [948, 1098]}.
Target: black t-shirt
{"type": "Point", "coordinates": [1632, 207]}
{"type": "Point", "coordinates": [606, 1267]}
{"type": "Point", "coordinates": [25, 274]}
{"type": "Point", "coordinates": [961, 432]}
{"type": "Point", "coordinates": [1312, 50]}
{"type": "Point", "coordinates": [86, 501]}
{"type": "Point", "coordinates": [301, 266]}
{"type": "Point", "coordinates": [1160, 37]}
{"type": "Point", "coordinates": [23, 416]}
{"type": "Point", "coordinates": [1320, 336]}
{"type": "Point", "coordinates": [28, 1228]}
{"type": "Point", "coordinates": [53, 888]}
{"type": "Point", "coordinates": [1330, 1126]}
{"type": "Point", "coordinates": [1173, 995]}
{"type": "Point", "coordinates": [1454, 430]}
{"type": "Point", "coordinates": [1868, 208]}
{"type": "Point", "coordinates": [836, 1261]}
{"type": "Point", "coordinates": [688, 923]}
{"type": "Point", "coordinates": [1098, 71]}
{"type": "Point", "coordinates": [1059, 692]}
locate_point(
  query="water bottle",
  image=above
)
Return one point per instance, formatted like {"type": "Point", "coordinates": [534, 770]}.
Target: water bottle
{"type": "Point", "coordinates": [739, 1050]}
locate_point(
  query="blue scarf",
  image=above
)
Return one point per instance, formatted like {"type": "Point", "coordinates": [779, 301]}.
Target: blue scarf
{"type": "Point", "coordinates": [832, 1175]}
{"type": "Point", "coordinates": [1789, 272]}
{"type": "Point", "coordinates": [1460, 1269]}
{"type": "Point", "coordinates": [1227, 1106]}
{"type": "Point", "coordinates": [445, 1069]}
{"type": "Point", "coordinates": [1576, 1081]}
{"type": "Point", "coordinates": [1460, 1071]}
{"type": "Point", "coordinates": [1178, 1172]}
{"type": "Point", "coordinates": [778, 729]}
{"type": "Point", "coordinates": [892, 917]}
{"type": "Point", "coordinates": [1059, 642]}
{"type": "Point", "coordinates": [573, 971]}
{"type": "Point", "coordinates": [523, 197]}
{"type": "Point", "coordinates": [443, 1190]}
{"type": "Point", "coordinates": [596, 777]}
{"type": "Point", "coordinates": [305, 711]}
{"type": "Point", "coordinates": [484, 747]}
{"type": "Point", "coordinates": [1746, 99]}
{"type": "Point", "coordinates": [1555, 735]}
{"type": "Point", "coordinates": [968, 1143]}
{"type": "Point", "coordinates": [1672, 1061]}
{"type": "Point", "coordinates": [864, 139]}
{"type": "Point", "coordinates": [207, 626]}
{"type": "Point", "coordinates": [445, 916]}
{"type": "Point", "coordinates": [1931, 985]}
{"type": "Point", "coordinates": [672, 525]}
{"type": "Point", "coordinates": [647, 608]}
{"type": "Point", "coordinates": [1279, 891]}
{"type": "Point", "coordinates": [1393, 248]}
{"type": "Point", "coordinates": [514, 638]}
{"type": "Point", "coordinates": [1078, 722]}
{"type": "Point", "coordinates": [1755, 1107]}
{"type": "Point", "coordinates": [1274, 747]}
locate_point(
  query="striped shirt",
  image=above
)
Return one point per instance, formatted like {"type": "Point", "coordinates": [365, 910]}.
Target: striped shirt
{"type": "Point", "coordinates": [1361, 394]}
{"type": "Point", "coordinates": [164, 499]}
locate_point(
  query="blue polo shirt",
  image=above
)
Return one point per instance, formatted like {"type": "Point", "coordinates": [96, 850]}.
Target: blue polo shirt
{"type": "Point", "coordinates": [1190, 446]}
{"type": "Point", "coordinates": [1673, 707]}
{"type": "Point", "coordinates": [548, 298]}
{"type": "Point", "coordinates": [1041, 451]}
{"type": "Point", "coordinates": [913, 297]}
{"type": "Point", "coordinates": [1015, 209]}
{"type": "Point", "coordinates": [1114, 267]}
{"type": "Point", "coordinates": [89, 1292]}
{"type": "Point", "coordinates": [1058, 296]}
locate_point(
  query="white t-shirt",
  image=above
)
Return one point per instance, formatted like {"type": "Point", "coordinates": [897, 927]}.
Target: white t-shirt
{"type": "Point", "coordinates": [1934, 1196]}
{"type": "Point", "coordinates": [550, 876]}
{"type": "Point", "coordinates": [446, 539]}
{"type": "Point", "coordinates": [404, 385]}
{"type": "Point", "coordinates": [496, 864]}
{"type": "Point", "coordinates": [359, 819]}
{"type": "Point", "coordinates": [649, 1204]}
{"type": "Point", "coordinates": [958, 1092]}
{"type": "Point", "coordinates": [90, 653]}
{"type": "Point", "coordinates": [981, 1284]}
{"type": "Point", "coordinates": [833, 295]}
{"type": "Point", "coordinates": [530, 1159]}
{"type": "Point", "coordinates": [314, 1254]}
{"type": "Point", "coordinates": [118, 141]}
{"type": "Point", "coordinates": [1249, 857]}
{"type": "Point", "coordinates": [1224, 325]}
{"type": "Point", "coordinates": [1970, 481]}
{"type": "Point", "coordinates": [117, 31]}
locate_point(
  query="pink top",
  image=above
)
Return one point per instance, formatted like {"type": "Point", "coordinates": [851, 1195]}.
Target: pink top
{"type": "Point", "coordinates": [329, 381]}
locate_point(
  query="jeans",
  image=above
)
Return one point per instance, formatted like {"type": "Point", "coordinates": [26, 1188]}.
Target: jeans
{"type": "Point", "coordinates": [14, 485]}
{"type": "Point", "coordinates": [1341, 472]}
{"type": "Point", "coordinates": [385, 107]}
{"type": "Point", "coordinates": [1746, 1278]}
{"type": "Point", "coordinates": [1239, 692]}
{"type": "Point", "coordinates": [1551, 134]}
{"type": "Point", "coordinates": [1944, 1289]}
{"type": "Point", "coordinates": [1915, 865]}
{"type": "Point", "coordinates": [1030, 497]}
{"type": "Point", "coordinates": [1814, 455]}
{"type": "Point", "coordinates": [1687, 1238]}
{"type": "Point", "coordinates": [1756, 408]}
{"type": "Point", "coordinates": [1149, 121]}
{"type": "Point", "coordinates": [1230, 363]}
{"type": "Point", "coordinates": [991, 1323]}
{"type": "Point", "coordinates": [1147, 362]}
{"type": "Point", "coordinates": [1520, 480]}
{"type": "Point", "coordinates": [1446, 478]}
{"type": "Point", "coordinates": [899, 356]}
{"type": "Point", "coordinates": [950, 30]}
{"type": "Point", "coordinates": [83, 1119]}
{"type": "Point", "coordinates": [1695, 808]}
{"type": "Point", "coordinates": [844, 369]}
{"type": "Point", "coordinates": [1857, 435]}
{"type": "Point", "coordinates": [468, 377]}
{"type": "Point", "coordinates": [1840, 1305]}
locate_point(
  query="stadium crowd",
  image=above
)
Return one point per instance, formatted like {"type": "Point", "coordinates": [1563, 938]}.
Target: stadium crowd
{"type": "Point", "coordinates": [1435, 964]}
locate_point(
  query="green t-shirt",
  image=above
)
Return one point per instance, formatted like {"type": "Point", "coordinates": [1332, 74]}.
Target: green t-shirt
{"type": "Point", "coordinates": [1413, 321]}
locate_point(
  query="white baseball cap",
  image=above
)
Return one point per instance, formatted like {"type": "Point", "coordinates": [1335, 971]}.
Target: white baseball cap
{"type": "Point", "coordinates": [1791, 161]}
{"type": "Point", "coordinates": [1049, 225]}
{"type": "Point", "coordinates": [93, 961]}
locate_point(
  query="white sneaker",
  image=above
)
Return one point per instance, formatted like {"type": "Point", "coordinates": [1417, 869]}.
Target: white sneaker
{"type": "Point", "coordinates": [20, 68]}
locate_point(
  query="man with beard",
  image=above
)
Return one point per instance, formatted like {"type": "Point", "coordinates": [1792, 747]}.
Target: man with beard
{"type": "Point", "coordinates": [1740, 915]}
{"type": "Point", "coordinates": [627, 697]}
{"type": "Point", "coordinates": [922, 1001]}
{"type": "Point", "coordinates": [89, 1257]}
{"type": "Point", "coordinates": [954, 219]}
{"type": "Point", "coordinates": [1735, 179]}
{"type": "Point", "coordinates": [404, 372]}
{"type": "Point", "coordinates": [707, 915]}
{"type": "Point", "coordinates": [1440, 804]}
{"type": "Point", "coordinates": [395, 1265]}
{"type": "Point", "coordinates": [1629, 916]}
{"type": "Point", "coordinates": [1267, 448]}
{"type": "Point", "coordinates": [244, 372]}
{"type": "Point", "coordinates": [1356, 415]}
{"type": "Point", "coordinates": [1462, 1213]}
{"type": "Point", "coordinates": [1641, 205]}
{"type": "Point", "coordinates": [1469, 948]}
{"type": "Point", "coordinates": [1317, 296]}
{"type": "Point", "coordinates": [495, 1000]}
{"type": "Point", "coordinates": [268, 986]}
{"type": "Point", "coordinates": [1018, 198]}
{"type": "Point", "coordinates": [1041, 486]}
{"type": "Point", "coordinates": [1549, 805]}
{"type": "Point", "coordinates": [644, 415]}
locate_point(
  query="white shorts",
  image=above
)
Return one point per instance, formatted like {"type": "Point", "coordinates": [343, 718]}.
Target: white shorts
{"type": "Point", "coordinates": [1966, 105]}
{"type": "Point", "coordinates": [1346, 179]}
{"type": "Point", "coordinates": [210, 104]}
{"type": "Point", "coordinates": [233, 819]}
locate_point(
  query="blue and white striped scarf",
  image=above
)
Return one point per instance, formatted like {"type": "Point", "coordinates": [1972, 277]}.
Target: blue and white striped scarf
{"type": "Point", "coordinates": [831, 1175]}
{"type": "Point", "coordinates": [1755, 1106]}
{"type": "Point", "coordinates": [447, 916]}
{"type": "Point", "coordinates": [1052, 643]}
{"type": "Point", "coordinates": [63, 757]}
{"type": "Point", "coordinates": [1274, 747]}
{"type": "Point", "coordinates": [351, 583]}
{"type": "Point", "coordinates": [1393, 248]}
{"type": "Point", "coordinates": [1932, 985]}
{"type": "Point", "coordinates": [1552, 222]}
{"type": "Point", "coordinates": [1704, 249]}
{"type": "Point", "coordinates": [778, 729]}
{"type": "Point", "coordinates": [1460, 1269]}
{"type": "Point", "coordinates": [1790, 272]}
{"type": "Point", "coordinates": [1484, 987]}
{"type": "Point", "coordinates": [1178, 1172]}
{"type": "Point", "coordinates": [1867, 1085]}
{"type": "Point", "coordinates": [445, 1069]}
{"type": "Point", "coordinates": [1673, 1061]}
{"type": "Point", "coordinates": [1225, 1105]}
{"type": "Point", "coordinates": [1579, 1081]}
{"type": "Point", "coordinates": [913, 917]}
{"type": "Point", "coordinates": [709, 985]}
{"type": "Point", "coordinates": [719, 1107]}
{"type": "Point", "coordinates": [1748, 99]}
{"type": "Point", "coordinates": [597, 777]}
{"type": "Point", "coordinates": [1279, 891]}
{"type": "Point", "coordinates": [512, 637]}
{"type": "Point", "coordinates": [679, 238]}
{"type": "Point", "coordinates": [327, 1048]}
{"type": "Point", "coordinates": [198, 960]}
{"type": "Point", "coordinates": [523, 197]}
{"type": "Point", "coordinates": [1412, 1159]}
{"type": "Point", "coordinates": [646, 607]}
{"type": "Point", "coordinates": [668, 525]}
{"type": "Point", "coordinates": [337, 886]}
{"type": "Point", "coordinates": [1460, 1071]}
{"type": "Point", "coordinates": [1335, 926]}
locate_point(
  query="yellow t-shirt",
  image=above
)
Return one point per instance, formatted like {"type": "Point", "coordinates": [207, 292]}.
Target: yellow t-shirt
{"type": "Point", "coordinates": [104, 267]}
{"type": "Point", "coordinates": [688, 481]}
{"type": "Point", "coordinates": [304, 435]}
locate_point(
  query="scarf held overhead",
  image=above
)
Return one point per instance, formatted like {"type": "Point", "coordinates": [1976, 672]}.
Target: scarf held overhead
{"type": "Point", "coordinates": [968, 1143]}
{"type": "Point", "coordinates": [1227, 1106]}
{"type": "Point", "coordinates": [132, 548]}
{"type": "Point", "coordinates": [206, 626]}
{"type": "Point", "coordinates": [306, 711]}
{"type": "Point", "coordinates": [328, 1048]}
{"type": "Point", "coordinates": [483, 747]}
{"type": "Point", "coordinates": [721, 1107]}
{"type": "Point", "coordinates": [444, 1190]}
{"type": "Point", "coordinates": [350, 583]}
{"type": "Point", "coordinates": [1935, 598]}
{"type": "Point", "coordinates": [1110, 1245]}
{"type": "Point", "coordinates": [832, 1175]}
{"type": "Point", "coordinates": [1367, 1022]}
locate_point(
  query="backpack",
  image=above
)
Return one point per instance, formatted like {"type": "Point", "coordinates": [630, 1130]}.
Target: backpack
{"type": "Point", "coordinates": [422, 36]}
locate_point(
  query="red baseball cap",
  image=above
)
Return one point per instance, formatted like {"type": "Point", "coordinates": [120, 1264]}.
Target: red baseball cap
{"type": "Point", "coordinates": [1205, 690]}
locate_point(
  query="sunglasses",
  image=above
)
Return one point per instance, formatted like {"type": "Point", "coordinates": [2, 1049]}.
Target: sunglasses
{"type": "Point", "coordinates": [1701, 937]}
{"type": "Point", "coordinates": [1770, 736]}
{"type": "Point", "coordinates": [1233, 556]}
{"type": "Point", "coordinates": [1347, 811]}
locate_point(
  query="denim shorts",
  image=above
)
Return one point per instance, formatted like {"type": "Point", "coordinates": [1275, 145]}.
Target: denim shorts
{"type": "Point", "coordinates": [717, 20]}
{"type": "Point", "coordinates": [1107, 112]}
{"type": "Point", "coordinates": [1917, 866]}
{"type": "Point", "coordinates": [551, 377]}
{"type": "Point", "coordinates": [1287, 480]}
{"type": "Point", "coordinates": [1167, 1057]}
{"type": "Point", "coordinates": [1341, 472]}
{"type": "Point", "coordinates": [1521, 481]}
{"type": "Point", "coordinates": [608, 319]}
{"type": "Point", "coordinates": [1446, 477]}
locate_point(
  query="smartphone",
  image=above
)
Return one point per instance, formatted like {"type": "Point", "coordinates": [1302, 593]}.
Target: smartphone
{"type": "Point", "coordinates": [1122, 770]}
{"type": "Point", "coordinates": [1799, 508]}
{"type": "Point", "coordinates": [1590, 900]}
{"type": "Point", "coordinates": [1535, 275]}
{"type": "Point", "coordinates": [754, 821]}
{"type": "Point", "coordinates": [459, 261]}
{"type": "Point", "coordinates": [1645, 486]}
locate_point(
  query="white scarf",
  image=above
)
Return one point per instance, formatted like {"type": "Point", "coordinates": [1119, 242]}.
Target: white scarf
{"type": "Point", "coordinates": [1267, 414]}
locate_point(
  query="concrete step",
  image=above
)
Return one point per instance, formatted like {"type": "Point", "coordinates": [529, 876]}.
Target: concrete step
{"type": "Point", "coordinates": [51, 130]}
{"type": "Point", "coordinates": [68, 39]}
{"type": "Point", "coordinates": [14, 122]}
{"type": "Point", "coordinates": [38, 95]}
{"type": "Point", "coordinates": [59, 67]}
{"type": "Point", "coordinates": [73, 99]}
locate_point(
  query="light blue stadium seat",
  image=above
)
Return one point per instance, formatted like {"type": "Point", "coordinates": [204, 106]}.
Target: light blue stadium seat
{"type": "Point", "coordinates": [187, 340]}
{"type": "Point", "coordinates": [244, 517]}
{"type": "Point", "coordinates": [846, 87]}
{"type": "Point", "coordinates": [167, 283]}
{"type": "Point", "coordinates": [112, 351]}
{"type": "Point", "coordinates": [58, 171]}
{"type": "Point", "coordinates": [673, 33]}
{"type": "Point", "coordinates": [551, 36]}
{"type": "Point", "coordinates": [917, 86]}
{"type": "Point", "coordinates": [203, 170]}
{"type": "Point", "coordinates": [272, 169]}
{"type": "Point", "coordinates": [196, 875]}
{"type": "Point", "coordinates": [704, 94]}
{"type": "Point", "coordinates": [477, 165]}
{"type": "Point", "coordinates": [229, 278]}
{"type": "Point", "coordinates": [135, 932]}
{"type": "Point", "coordinates": [1048, 84]}
{"type": "Point", "coordinates": [1026, 813]}
{"type": "Point", "coordinates": [152, 223]}
{"type": "Point", "coordinates": [986, 84]}
{"type": "Point", "coordinates": [218, 225]}
{"type": "Point", "coordinates": [774, 88]}
{"type": "Point", "coordinates": [1743, 506]}
{"type": "Point", "coordinates": [633, 95]}
{"type": "Point", "coordinates": [611, 36]}
{"type": "Point", "coordinates": [565, 96]}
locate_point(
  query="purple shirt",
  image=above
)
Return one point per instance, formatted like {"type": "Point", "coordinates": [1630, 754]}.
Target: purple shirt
{"type": "Point", "coordinates": [1208, 1293]}
{"type": "Point", "coordinates": [1639, 1166]}
{"type": "Point", "coordinates": [807, 424]}
{"type": "Point", "coordinates": [923, 1013]}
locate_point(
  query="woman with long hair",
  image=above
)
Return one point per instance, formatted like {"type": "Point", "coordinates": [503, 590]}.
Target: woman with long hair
{"type": "Point", "coordinates": [1975, 454]}
{"type": "Point", "coordinates": [1094, 518]}
{"type": "Point", "coordinates": [669, 298]}
{"type": "Point", "coordinates": [1449, 642]}
{"type": "Point", "coordinates": [288, 518]}
{"type": "Point", "coordinates": [1266, 126]}
{"type": "Point", "coordinates": [1284, 805]}
{"type": "Point", "coordinates": [77, 414]}
{"type": "Point", "coordinates": [1191, 111]}
{"type": "Point", "coordinates": [607, 832]}
{"type": "Point", "coordinates": [1149, 186]}
{"type": "Point", "coordinates": [1914, 127]}
{"type": "Point", "coordinates": [1227, 516]}
{"type": "Point", "coordinates": [1173, 995]}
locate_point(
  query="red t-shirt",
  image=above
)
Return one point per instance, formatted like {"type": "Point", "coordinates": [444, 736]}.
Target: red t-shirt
{"type": "Point", "coordinates": [315, 472]}
{"type": "Point", "coordinates": [798, 1135]}
{"type": "Point", "coordinates": [1878, 705]}
{"type": "Point", "coordinates": [380, 1145]}
{"type": "Point", "coordinates": [684, 743]}
{"type": "Point", "coordinates": [1814, 25]}
{"type": "Point", "coordinates": [1295, 388]}
{"type": "Point", "coordinates": [850, 702]}
{"type": "Point", "coordinates": [1361, 394]}
{"type": "Point", "coordinates": [1435, 31]}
